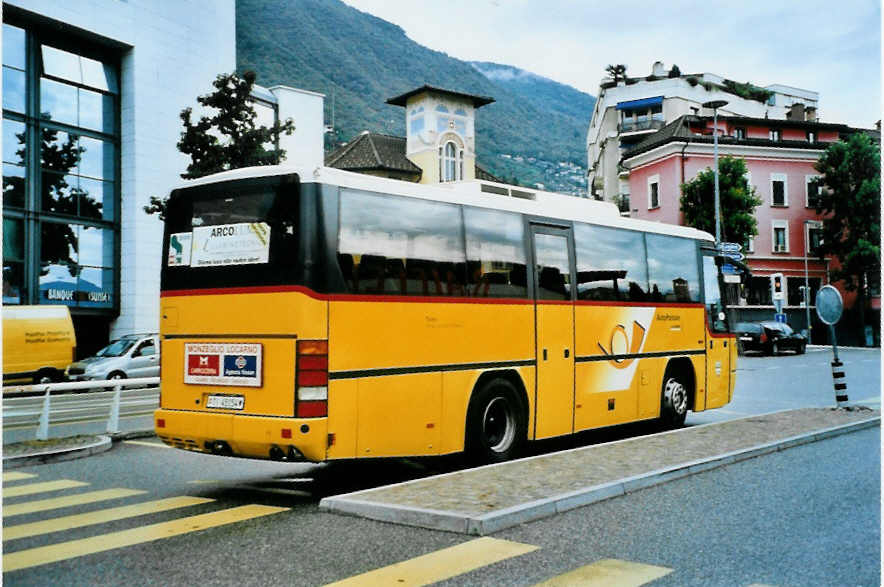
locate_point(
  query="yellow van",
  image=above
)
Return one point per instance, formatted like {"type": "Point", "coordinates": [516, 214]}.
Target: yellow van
{"type": "Point", "coordinates": [38, 343]}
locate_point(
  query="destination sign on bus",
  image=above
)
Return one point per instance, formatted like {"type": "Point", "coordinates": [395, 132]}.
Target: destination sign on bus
{"type": "Point", "coordinates": [223, 364]}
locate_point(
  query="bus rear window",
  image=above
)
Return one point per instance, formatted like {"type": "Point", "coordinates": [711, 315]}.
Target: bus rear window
{"type": "Point", "coordinates": [231, 234]}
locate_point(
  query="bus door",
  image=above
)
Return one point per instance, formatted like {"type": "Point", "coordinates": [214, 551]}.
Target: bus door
{"type": "Point", "coordinates": [554, 313]}
{"type": "Point", "coordinates": [718, 341]}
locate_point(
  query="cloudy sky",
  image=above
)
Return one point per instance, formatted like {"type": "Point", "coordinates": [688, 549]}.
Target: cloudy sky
{"type": "Point", "coordinates": [830, 46]}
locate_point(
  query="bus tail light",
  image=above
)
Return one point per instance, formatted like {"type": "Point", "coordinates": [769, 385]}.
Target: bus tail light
{"type": "Point", "coordinates": [311, 397]}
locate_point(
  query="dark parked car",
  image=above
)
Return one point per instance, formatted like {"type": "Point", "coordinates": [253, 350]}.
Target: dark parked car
{"type": "Point", "coordinates": [769, 337]}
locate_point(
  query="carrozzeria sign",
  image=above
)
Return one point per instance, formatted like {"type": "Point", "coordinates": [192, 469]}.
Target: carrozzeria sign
{"type": "Point", "coordinates": [223, 364]}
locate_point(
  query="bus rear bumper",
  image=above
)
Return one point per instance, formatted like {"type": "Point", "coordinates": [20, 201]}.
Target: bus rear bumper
{"type": "Point", "coordinates": [239, 435]}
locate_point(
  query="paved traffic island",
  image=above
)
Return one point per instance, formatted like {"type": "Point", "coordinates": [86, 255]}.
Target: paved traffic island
{"type": "Point", "coordinates": [488, 499]}
{"type": "Point", "coordinates": [38, 452]}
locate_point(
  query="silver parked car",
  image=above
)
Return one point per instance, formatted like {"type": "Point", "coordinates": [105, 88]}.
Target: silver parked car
{"type": "Point", "coordinates": [134, 355]}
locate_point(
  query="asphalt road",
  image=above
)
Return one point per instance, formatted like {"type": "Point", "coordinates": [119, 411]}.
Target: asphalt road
{"type": "Point", "coordinates": [809, 515]}
{"type": "Point", "coordinates": [787, 381]}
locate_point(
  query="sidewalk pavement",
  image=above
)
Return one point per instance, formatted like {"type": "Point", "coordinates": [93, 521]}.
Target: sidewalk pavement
{"type": "Point", "coordinates": [38, 452]}
{"type": "Point", "coordinates": [487, 499]}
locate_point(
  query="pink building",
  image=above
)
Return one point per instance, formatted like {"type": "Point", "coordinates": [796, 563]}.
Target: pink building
{"type": "Point", "coordinates": [779, 156]}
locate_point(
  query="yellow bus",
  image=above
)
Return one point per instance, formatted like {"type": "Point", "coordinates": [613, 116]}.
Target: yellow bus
{"type": "Point", "coordinates": [321, 315]}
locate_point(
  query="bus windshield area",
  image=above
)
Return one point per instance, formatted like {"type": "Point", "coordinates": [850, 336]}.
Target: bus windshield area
{"type": "Point", "coordinates": [715, 306]}
{"type": "Point", "coordinates": [231, 234]}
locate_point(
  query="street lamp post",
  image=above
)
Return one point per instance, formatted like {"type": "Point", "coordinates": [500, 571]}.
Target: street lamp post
{"type": "Point", "coordinates": [715, 105]}
{"type": "Point", "coordinates": [807, 224]}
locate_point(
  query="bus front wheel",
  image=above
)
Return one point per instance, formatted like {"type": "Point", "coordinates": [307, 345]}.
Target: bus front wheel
{"type": "Point", "coordinates": [674, 400]}
{"type": "Point", "coordinates": [496, 426]}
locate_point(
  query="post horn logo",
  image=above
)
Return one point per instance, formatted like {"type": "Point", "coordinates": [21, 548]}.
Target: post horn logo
{"type": "Point", "coordinates": [620, 361]}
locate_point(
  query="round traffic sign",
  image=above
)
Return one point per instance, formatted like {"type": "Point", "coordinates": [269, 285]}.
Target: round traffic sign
{"type": "Point", "coordinates": [829, 304]}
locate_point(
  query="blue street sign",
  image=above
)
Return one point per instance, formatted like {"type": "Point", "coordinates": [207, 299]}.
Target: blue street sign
{"type": "Point", "coordinates": [730, 247]}
{"type": "Point", "coordinates": [728, 269]}
{"type": "Point", "coordinates": [780, 318]}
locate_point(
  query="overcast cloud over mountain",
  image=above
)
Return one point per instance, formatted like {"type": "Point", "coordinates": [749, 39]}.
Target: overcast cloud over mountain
{"type": "Point", "coordinates": [534, 132]}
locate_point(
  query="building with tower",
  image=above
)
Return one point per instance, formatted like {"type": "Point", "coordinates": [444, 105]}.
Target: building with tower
{"type": "Point", "coordinates": [439, 146]}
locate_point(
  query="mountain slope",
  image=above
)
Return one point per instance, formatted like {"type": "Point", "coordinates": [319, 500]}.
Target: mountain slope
{"type": "Point", "coordinates": [358, 61]}
{"type": "Point", "coordinates": [543, 93]}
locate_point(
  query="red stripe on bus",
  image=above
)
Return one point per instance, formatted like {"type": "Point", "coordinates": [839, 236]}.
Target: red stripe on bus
{"type": "Point", "coordinates": [640, 304]}
{"type": "Point", "coordinates": [340, 297]}
{"type": "Point", "coordinates": [425, 299]}
{"type": "Point", "coordinates": [261, 289]}
{"type": "Point", "coordinates": [257, 289]}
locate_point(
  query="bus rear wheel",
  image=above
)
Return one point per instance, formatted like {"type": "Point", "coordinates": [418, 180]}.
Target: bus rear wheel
{"type": "Point", "coordinates": [496, 426]}
{"type": "Point", "coordinates": [674, 400]}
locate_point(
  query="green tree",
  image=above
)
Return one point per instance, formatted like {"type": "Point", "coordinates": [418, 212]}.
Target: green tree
{"type": "Point", "coordinates": [738, 201]}
{"type": "Point", "coordinates": [850, 197]}
{"type": "Point", "coordinates": [617, 72]}
{"type": "Point", "coordinates": [229, 138]}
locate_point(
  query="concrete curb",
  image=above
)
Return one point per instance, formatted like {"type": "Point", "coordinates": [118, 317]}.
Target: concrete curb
{"type": "Point", "coordinates": [118, 436]}
{"type": "Point", "coordinates": [535, 510]}
{"type": "Point", "coordinates": [103, 444]}
{"type": "Point", "coordinates": [846, 348]}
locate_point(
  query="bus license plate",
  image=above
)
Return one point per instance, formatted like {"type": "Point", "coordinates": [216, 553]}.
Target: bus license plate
{"type": "Point", "coordinates": [226, 402]}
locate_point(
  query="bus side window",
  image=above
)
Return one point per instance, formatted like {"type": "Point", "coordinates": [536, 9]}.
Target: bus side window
{"type": "Point", "coordinates": [345, 262]}
{"type": "Point", "coordinates": [396, 273]}
{"type": "Point", "coordinates": [423, 278]}
{"type": "Point", "coordinates": [370, 274]}
{"type": "Point", "coordinates": [672, 268]}
{"type": "Point", "coordinates": [611, 264]}
{"type": "Point", "coordinates": [495, 254]}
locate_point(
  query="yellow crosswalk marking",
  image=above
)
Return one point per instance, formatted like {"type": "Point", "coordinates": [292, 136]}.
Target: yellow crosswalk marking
{"type": "Point", "coordinates": [608, 573]}
{"type": "Point", "coordinates": [44, 487]}
{"type": "Point", "coordinates": [100, 517]}
{"type": "Point", "coordinates": [150, 444]}
{"type": "Point", "coordinates": [442, 564]}
{"type": "Point", "coordinates": [17, 476]}
{"type": "Point", "coordinates": [42, 505]}
{"type": "Point", "coordinates": [42, 555]}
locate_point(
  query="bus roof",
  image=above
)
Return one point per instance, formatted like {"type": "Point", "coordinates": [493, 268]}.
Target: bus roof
{"type": "Point", "coordinates": [482, 194]}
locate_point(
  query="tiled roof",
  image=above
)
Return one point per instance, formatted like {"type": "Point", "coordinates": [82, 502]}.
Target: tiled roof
{"type": "Point", "coordinates": [378, 152]}
{"type": "Point", "coordinates": [485, 176]}
{"type": "Point", "coordinates": [675, 129]}
{"type": "Point", "coordinates": [372, 151]}
{"type": "Point", "coordinates": [679, 130]}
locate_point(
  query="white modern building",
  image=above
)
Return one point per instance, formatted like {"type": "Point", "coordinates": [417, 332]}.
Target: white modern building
{"type": "Point", "coordinates": [92, 92]}
{"type": "Point", "coordinates": [629, 109]}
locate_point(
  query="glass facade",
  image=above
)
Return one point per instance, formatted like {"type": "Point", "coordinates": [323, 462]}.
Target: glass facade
{"type": "Point", "coordinates": [61, 178]}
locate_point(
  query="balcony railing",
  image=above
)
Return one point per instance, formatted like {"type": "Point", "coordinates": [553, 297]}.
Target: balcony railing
{"type": "Point", "coordinates": [635, 126]}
